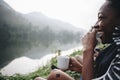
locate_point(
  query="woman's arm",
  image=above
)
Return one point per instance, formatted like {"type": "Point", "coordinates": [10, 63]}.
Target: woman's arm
{"type": "Point", "coordinates": [87, 70]}
{"type": "Point", "coordinates": [89, 42]}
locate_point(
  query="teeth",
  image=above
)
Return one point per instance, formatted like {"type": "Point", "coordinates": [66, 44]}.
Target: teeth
{"type": "Point", "coordinates": [100, 33]}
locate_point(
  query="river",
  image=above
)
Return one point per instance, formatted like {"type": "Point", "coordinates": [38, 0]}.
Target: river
{"type": "Point", "coordinates": [25, 65]}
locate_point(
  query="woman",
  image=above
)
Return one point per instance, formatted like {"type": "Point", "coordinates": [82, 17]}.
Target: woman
{"type": "Point", "coordinates": [107, 64]}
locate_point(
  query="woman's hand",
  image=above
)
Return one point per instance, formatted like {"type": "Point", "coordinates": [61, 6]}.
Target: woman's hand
{"type": "Point", "coordinates": [89, 41]}
{"type": "Point", "coordinates": [74, 65]}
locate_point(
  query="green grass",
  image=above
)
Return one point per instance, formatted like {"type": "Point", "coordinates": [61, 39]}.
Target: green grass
{"type": "Point", "coordinates": [45, 70]}
{"type": "Point", "coordinates": [42, 71]}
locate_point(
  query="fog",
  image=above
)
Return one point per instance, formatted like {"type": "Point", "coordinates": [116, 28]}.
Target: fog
{"type": "Point", "coordinates": [30, 65]}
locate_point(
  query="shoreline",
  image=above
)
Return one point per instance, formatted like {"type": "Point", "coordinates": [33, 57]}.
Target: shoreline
{"type": "Point", "coordinates": [25, 65]}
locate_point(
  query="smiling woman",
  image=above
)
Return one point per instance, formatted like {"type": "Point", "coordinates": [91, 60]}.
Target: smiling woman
{"type": "Point", "coordinates": [72, 11]}
{"type": "Point", "coordinates": [106, 66]}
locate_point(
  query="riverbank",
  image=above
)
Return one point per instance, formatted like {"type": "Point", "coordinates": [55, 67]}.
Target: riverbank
{"type": "Point", "coordinates": [25, 65]}
{"type": "Point", "coordinates": [42, 71]}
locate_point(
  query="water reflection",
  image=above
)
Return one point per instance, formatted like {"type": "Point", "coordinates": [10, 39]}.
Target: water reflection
{"type": "Point", "coordinates": [25, 65]}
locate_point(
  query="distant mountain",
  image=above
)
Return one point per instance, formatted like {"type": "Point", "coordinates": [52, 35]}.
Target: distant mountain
{"type": "Point", "coordinates": [5, 6]}
{"type": "Point", "coordinates": [40, 20]}
{"type": "Point", "coordinates": [19, 33]}
{"type": "Point", "coordinates": [10, 16]}
{"type": "Point", "coordinates": [7, 14]}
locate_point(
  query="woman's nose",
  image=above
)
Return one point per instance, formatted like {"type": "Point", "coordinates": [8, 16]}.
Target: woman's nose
{"type": "Point", "coordinates": [97, 25]}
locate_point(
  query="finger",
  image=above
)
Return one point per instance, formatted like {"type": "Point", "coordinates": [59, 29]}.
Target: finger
{"type": "Point", "coordinates": [94, 30]}
{"type": "Point", "coordinates": [72, 59]}
{"type": "Point", "coordinates": [72, 62]}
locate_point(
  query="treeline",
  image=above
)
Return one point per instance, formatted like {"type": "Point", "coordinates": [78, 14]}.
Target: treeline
{"type": "Point", "coordinates": [28, 36]}
{"type": "Point", "coordinates": [18, 35]}
{"type": "Point", "coordinates": [17, 39]}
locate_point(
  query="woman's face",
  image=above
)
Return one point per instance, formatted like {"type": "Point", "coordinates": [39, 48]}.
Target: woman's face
{"type": "Point", "coordinates": [107, 20]}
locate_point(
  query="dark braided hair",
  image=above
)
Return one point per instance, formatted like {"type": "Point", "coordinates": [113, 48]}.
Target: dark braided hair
{"type": "Point", "coordinates": [115, 4]}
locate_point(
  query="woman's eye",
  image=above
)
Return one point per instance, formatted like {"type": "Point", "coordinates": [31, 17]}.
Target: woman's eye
{"type": "Point", "coordinates": [101, 17]}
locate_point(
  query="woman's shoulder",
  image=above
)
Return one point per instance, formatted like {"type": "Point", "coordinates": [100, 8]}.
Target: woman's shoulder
{"type": "Point", "coordinates": [113, 72]}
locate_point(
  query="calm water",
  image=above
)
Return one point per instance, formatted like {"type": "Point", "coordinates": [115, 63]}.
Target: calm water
{"type": "Point", "coordinates": [25, 65]}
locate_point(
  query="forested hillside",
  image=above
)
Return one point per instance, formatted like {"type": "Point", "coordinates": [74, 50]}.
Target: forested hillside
{"type": "Point", "coordinates": [18, 34]}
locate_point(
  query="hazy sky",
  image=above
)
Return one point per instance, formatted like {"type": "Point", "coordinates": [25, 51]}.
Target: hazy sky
{"type": "Point", "coordinates": [80, 13]}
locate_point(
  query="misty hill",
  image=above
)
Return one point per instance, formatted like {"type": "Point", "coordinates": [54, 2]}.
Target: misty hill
{"type": "Point", "coordinates": [40, 20]}
{"type": "Point", "coordinates": [9, 15]}
{"type": "Point", "coordinates": [21, 33]}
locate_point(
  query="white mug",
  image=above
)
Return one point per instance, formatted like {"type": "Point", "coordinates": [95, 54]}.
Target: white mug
{"type": "Point", "coordinates": [63, 62]}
